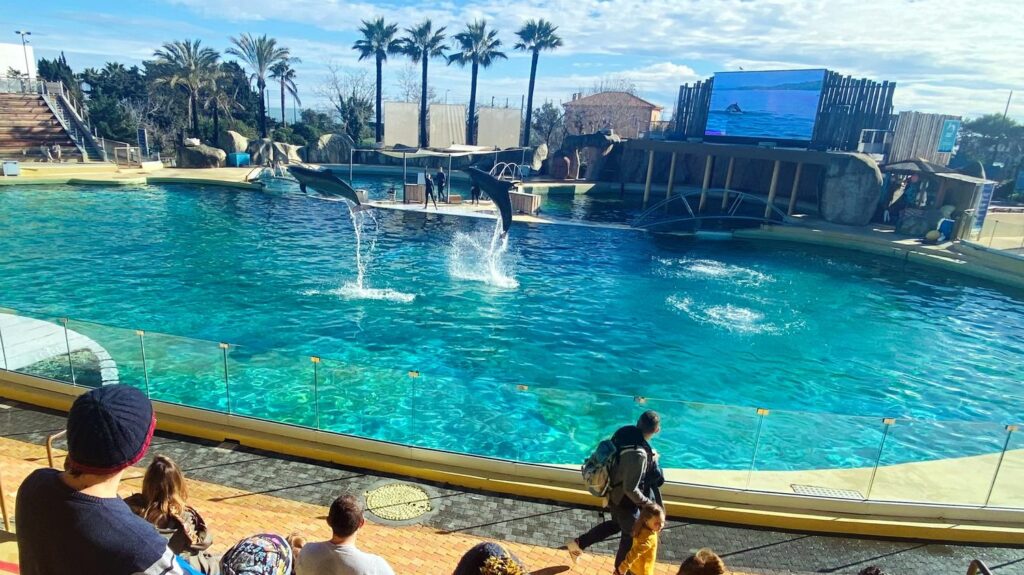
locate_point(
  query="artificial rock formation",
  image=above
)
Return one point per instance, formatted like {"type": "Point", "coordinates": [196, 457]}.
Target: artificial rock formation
{"type": "Point", "coordinates": [331, 149]}
{"type": "Point", "coordinates": [201, 156]}
{"type": "Point", "coordinates": [261, 151]}
{"type": "Point", "coordinates": [286, 153]}
{"type": "Point", "coordinates": [232, 142]}
{"type": "Point", "coordinates": [539, 155]}
{"type": "Point", "coordinates": [851, 190]}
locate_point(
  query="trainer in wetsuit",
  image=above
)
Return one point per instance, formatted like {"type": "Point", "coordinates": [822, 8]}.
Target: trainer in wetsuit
{"type": "Point", "coordinates": [428, 191]}
{"type": "Point", "coordinates": [442, 182]}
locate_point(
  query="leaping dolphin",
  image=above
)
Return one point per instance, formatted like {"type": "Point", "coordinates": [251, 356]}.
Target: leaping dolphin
{"type": "Point", "coordinates": [325, 182]}
{"type": "Point", "coordinates": [498, 191]}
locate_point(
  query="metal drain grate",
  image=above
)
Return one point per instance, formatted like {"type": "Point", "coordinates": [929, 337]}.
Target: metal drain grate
{"type": "Point", "coordinates": [817, 491]}
{"type": "Point", "coordinates": [398, 502]}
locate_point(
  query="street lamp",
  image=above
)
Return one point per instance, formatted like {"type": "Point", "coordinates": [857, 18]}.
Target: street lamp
{"type": "Point", "coordinates": [446, 95]}
{"type": "Point", "coordinates": [24, 49]}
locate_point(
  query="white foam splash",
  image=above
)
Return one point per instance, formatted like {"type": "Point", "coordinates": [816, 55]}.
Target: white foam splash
{"type": "Point", "coordinates": [475, 257]}
{"type": "Point", "coordinates": [715, 270]}
{"type": "Point", "coordinates": [734, 318]}
{"type": "Point", "coordinates": [353, 291]}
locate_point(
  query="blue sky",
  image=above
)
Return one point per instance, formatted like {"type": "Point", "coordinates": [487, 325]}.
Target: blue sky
{"type": "Point", "coordinates": [949, 56]}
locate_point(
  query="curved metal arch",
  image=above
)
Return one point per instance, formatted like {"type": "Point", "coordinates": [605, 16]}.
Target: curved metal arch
{"type": "Point", "coordinates": [646, 218]}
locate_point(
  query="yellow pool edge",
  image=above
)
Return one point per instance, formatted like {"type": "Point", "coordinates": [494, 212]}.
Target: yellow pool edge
{"type": "Point", "coordinates": [537, 481]}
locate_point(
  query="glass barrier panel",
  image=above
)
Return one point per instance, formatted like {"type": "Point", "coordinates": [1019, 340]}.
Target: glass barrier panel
{"type": "Point", "coordinates": [816, 454]}
{"type": "Point", "coordinates": [940, 462]}
{"type": "Point", "coordinates": [364, 400]}
{"type": "Point", "coordinates": [558, 440]}
{"type": "Point", "coordinates": [186, 371]}
{"type": "Point", "coordinates": [479, 418]}
{"type": "Point", "coordinates": [1007, 489]}
{"type": "Point", "coordinates": [102, 355]}
{"type": "Point", "coordinates": [36, 344]}
{"type": "Point", "coordinates": [705, 444]}
{"type": "Point", "coordinates": [271, 385]}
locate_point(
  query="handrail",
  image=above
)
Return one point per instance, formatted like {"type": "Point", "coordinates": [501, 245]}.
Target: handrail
{"type": "Point", "coordinates": [49, 445]}
{"type": "Point", "coordinates": [729, 213]}
{"type": "Point", "coordinates": [978, 566]}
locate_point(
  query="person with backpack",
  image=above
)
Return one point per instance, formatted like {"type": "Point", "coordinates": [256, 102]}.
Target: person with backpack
{"type": "Point", "coordinates": [625, 470]}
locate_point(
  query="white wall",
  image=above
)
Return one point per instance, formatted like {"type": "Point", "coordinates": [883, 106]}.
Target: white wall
{"type": "Point", "coordinates": [12, 56]}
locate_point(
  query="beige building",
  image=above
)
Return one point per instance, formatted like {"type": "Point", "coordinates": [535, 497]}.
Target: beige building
{"type": "Point", "coordinates": [623, 112]}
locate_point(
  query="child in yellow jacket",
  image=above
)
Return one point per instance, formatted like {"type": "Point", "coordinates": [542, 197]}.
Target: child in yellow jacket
{"type": "Point", "coordinates": [644, 552]}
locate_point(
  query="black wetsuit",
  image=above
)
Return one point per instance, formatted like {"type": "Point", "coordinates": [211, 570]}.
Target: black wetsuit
{"type": "Point", "coordinates": [442, 182]}
{"type": "Point", "coordinates": [429, 193]}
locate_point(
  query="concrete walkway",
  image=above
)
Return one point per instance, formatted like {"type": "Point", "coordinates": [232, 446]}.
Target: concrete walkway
{"type": "Point", "coordinates": [27, 341]}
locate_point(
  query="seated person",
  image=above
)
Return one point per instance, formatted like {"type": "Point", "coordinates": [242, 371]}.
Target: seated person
{"type": "Point", "coordinates": [164, 503]}
{"type": "Point", "coordinates": [489, 559]}
{"type": "Point", "coordinates": [74, 521]}
{"type": "Point", "coordinates": [339, 554]}
{"type": "Point", "coordinates": [703, 562]}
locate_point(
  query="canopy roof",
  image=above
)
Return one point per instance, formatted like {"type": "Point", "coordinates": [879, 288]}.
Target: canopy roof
{"type": "Point", "coordinates": [455, 150]}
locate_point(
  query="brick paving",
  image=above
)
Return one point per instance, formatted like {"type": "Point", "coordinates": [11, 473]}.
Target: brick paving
{"type": "Point", "coordinates": [242, 490]}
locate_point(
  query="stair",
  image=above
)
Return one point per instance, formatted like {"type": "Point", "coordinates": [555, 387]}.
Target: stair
{"type": "Point", "coordinates": [26, 123]}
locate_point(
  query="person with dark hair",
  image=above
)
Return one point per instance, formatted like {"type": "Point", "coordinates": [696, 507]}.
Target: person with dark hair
{"type": "Point", "coordinates": [636, 481]}
{"type": "Point", "coordinates": [442, 182]}
{"type": "Point", "coordinates": [489, 559]}
{"type": "Point", "coordinates": [428, 191]}
{"type": "Point", "coordinates": [703, 562]}
{"type": "Point", "coordinates": [73, 521]}
{"type": "Point", "coordinates": [474, 194]}
{"type": "Point", "coordinates": [339, 555]}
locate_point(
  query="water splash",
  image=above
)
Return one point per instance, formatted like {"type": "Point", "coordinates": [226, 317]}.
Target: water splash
{"type": "Point", "coordinates": [734, 318]}
{"type": "Point", "coordinates": [712, 270]}
{"type": "Point", "coordinates": [475, 257]}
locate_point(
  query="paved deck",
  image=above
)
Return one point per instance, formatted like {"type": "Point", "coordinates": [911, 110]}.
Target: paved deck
{"type": "Point", "coordinates": [27, 341]}
{"type": "Point", "coordinates": [243, 490]}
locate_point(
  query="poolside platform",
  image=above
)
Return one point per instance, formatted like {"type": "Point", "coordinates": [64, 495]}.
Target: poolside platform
{"type": "Point", "coordinates": [149, 173]}
{"type": "Point", "coordinates": [28, 341]}
{"type": "Point", "coordinates": [241, 491]}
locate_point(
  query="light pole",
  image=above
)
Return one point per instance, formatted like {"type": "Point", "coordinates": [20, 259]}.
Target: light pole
{"type": "Point", "coordinates": [24, 49]}
{"type": "Point", "coordinates": [446, 95]}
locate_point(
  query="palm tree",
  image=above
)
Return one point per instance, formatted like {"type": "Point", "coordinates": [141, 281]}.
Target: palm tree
{"type": "Point", "coordinates": [378, 42]}
{"type": "Point", "coordinates": [422, 43]}
{"type": "Point", "coordinates": [218, 101]}
{"type": "Point", "coordinates": [283, 71]}
{"type": "Point", "coordinates": [260, 54]}
{"type": "Point", "coordinates": [535, 36]}
{"type": "Point", "coordinates": [478, 47]}
{"type": "Point", "coordinates": [191, 67]}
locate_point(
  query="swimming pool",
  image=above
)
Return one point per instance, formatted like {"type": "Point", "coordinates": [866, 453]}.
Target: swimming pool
{"type": "Point", "coordinates": [597, 326]}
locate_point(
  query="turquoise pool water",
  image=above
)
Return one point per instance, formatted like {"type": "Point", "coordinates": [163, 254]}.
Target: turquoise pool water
{"type": "Point", "coordinates": [705, 332]}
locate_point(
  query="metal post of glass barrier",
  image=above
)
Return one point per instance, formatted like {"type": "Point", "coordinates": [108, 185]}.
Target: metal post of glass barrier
{"type": "Point", "coordinates": [887, 422]}
{"type": "Point", "coordinates": [1006, 444]}
{"type": "Point", "coordinates": [227, 387]}
{"type": "Point", "coordinates": [993, 234]}
{"type": "Point", "coordinates": [3, 350]}
{"type": "Point", "coordinates": [316, 390]}
{"type": "Point", "coordinates": [761, 413]}
{"type": "Point", "coordinates": [145, 368]}
{"type": "Point", "coordinates": [67, 342]}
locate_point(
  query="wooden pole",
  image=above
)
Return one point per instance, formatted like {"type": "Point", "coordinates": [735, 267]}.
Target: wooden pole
{"type": "Point", "coordinates": [650, 172]}
{"type": "Point", "coordinates": [940, 196]}
{"type": "Point", "coordinates": [796, 184]}
{"type": "Point", "coordinates": [728, 182]}
{"type": "Point", "coordinates": [671, 176]}
{"type": "Point", "coordinates": [771, 189]}
{"type": "Point", "coordinates": [405, 176]}
{"type": "Point", "coordinates": [707, 182]}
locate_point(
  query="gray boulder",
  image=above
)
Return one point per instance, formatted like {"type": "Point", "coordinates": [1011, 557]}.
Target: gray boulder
{"type": "Point", "coordinates": [851, 190]}
{"type": "Point", "coordinates": [539, 155]}
{"type": "Point", "coordinates": [286, 153]}
{"type": "Point", "coordinates": [232, 142]}
{"type": "Point", "coordinates": [201, 156]}
{"type": "Point", "coordinates": [331, 149]}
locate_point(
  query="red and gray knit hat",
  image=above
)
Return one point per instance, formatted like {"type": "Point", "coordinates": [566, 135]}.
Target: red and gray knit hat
{"type": "Point", "coordinates": [109, 429]}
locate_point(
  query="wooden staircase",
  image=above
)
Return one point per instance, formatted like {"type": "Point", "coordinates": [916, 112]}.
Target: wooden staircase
{"type": "Point", "coordinates": [26, 123]}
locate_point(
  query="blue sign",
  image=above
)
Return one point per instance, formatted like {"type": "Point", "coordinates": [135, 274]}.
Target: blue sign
{"type": "Point", "coordinates": [947, 139]}
{"type": "Point", "coordinates": [981, 208]}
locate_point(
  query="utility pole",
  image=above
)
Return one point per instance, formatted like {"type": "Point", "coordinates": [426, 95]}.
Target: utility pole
{"type": "Point", "coordinates": [1007, 108]}
{"type": "Point", "coordinates": [24, 49]}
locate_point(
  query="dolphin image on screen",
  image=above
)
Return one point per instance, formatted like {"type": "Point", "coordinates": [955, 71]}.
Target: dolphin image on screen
{"type": "Point", "coordinates": [498, 191]}
{"type": "Point", "coordinates": [325, 182]}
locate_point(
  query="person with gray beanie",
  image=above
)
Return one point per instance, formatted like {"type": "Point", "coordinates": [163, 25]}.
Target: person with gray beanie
{"type": "Point", "coordinates": [73, 521]}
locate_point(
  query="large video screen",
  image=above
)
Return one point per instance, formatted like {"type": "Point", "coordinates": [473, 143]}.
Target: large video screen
{"type": "Point", "coordinates": [779, 105]}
